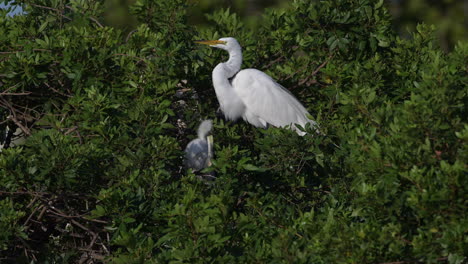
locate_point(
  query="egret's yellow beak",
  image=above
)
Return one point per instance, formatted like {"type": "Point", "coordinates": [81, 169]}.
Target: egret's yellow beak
{"type": "Point", "coordinates": [210, 42]}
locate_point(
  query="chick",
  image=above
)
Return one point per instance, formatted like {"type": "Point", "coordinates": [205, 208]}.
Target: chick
{"type": "Point", "coordinates": [199, 151]}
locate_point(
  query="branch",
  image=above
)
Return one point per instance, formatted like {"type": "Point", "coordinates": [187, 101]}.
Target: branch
{"type": "Point", "coordinates": [31, 215]}
{"type": "Point", "coordinates": [91, 18]}
{"type": "Point", "coordinates": [57, 91]}
{"type": "Point", "coordinates": [45, 7]}
{"type": "Point", "coordinates": [412, 261]}
{"type": "Point", "coordinates": [18, 123]}
{"type": "Point", "coordinates": [53, 9]}
{"type": "Point", "coordinates": [70, 130]}
{"type": "Point", "coordinates": [280, 58]}
{"type": "Point", "coordinates": [96, 21]}
{"type": "Point", "coordinates": [5, 93]}
{"type": "Point", "coordinates": [130, 34]}
{"type": "Point", "coordinates": [60, 13]}
{"type": "Point", "coordinates": [322, 65]}
{"type": "Point", "coordinates": [14, 86]}
{"type": "Point", "coordinates": [15, 51]}
{"type": "Point", "coordinates": [315, 72]}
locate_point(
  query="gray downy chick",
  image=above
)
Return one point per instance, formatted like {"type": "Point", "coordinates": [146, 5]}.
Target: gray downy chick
{"type": "Point", "coordinates": [199, 151]}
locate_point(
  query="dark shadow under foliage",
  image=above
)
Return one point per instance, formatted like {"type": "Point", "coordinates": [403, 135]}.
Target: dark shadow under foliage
{"type": "Point", "coordinates": [107, 115]}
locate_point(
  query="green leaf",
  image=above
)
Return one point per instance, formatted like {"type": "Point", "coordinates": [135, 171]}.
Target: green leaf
{"type": "Point", "coordinates": [251, 167]}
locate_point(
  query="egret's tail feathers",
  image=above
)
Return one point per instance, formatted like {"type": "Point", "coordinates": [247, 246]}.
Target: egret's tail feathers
{"type": "Point", "coordinates": [204, 128]}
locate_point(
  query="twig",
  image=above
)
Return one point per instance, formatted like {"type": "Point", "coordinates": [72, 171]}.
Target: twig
{"type": "Point", "coordinates": [104, 246]}
{"type": "Point", "coordinates": [96, 21]}
{"type": "Point", "coordinates": [315, 71]}
{"type": "Point", "coordinates": [130, 34]}
{"type": "Point", "coordinates": [91, 244]}
{"type": "Point", "coordinates": [13, 116]}
{"type": "Point", "coordinates": [31, 215]}
{"type": "Point", "coordinates": [294, 73]}
{"type": "Point", "coordinates": [82, 216]}
{"type": "Point", "coordinates": [322, 65]}
{"type": "Point", "coordinates": [57, 91]}
{"type": "Point", "coordinates": [79, 137]}
{"type": "Point", "coordinates": [301, 164]}
{"type": "Point", "coordinates": [280, 58]}
{"type": "Point", "coordinates": [23, 192]}
{"type": "Point", "coordinates": [62, 214]}
{"type": "Point", "coordinates": [93, 255]}
{"type": "Point", "coordinates": [14, 86]}
{"type": "Point", "coordinates": [71, 130]}
{"type": "Point", "coordinates": [412, 261]}
{"type": "Point", "coordinates": [96, 256]}
{"type": "Point", "coordinates": [44, 209]}
{"type": "Point", "coordinates": [53, 9]}
{"type": "Point", "coordinates": [8, 94]}
{"type": "Point", "coordinates": [45, 7]}
{"type": "Point", "coordinates": [27, 109]}
{"type": "Point", "coordinates": [25, 129]}
{"type": "Point", "coordinates": [32, 202]}
{"type": "Point", "coordinates": [83, 227]}
{"type": "Point", "coordinates": [77, 235]}
{"type": "Point", "coordinates": [91, 18]}
{"type": "Point", "coordinates": [95, 220]}
{"type": "Point", "coordinates": [15, 51]}
{"type": "Point", "coordinates": [26, 246]}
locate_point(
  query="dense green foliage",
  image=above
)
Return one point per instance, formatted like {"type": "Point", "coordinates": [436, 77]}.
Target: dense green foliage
{"type": "Point", "coordinates": [100, 177]}
{"type": "Point", "coordinates": [448, 15]}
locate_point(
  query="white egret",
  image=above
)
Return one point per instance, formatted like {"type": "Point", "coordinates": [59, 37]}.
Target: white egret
{"type": "Point", "coordinates": [199, 151]}
{"type": "Point", "coordinates": [252, 94]}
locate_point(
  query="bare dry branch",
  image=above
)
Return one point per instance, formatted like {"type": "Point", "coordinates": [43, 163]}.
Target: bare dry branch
{"type": "Point", "coordinates": [9, 94]}
{"type": "Point", "coordinates": [21, 126]}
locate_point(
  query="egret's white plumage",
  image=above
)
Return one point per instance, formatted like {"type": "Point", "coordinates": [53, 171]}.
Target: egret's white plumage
{"type": "Point", "coordinates": [252, 94]}
{"type": "Point", "coordinates": [199, 151]}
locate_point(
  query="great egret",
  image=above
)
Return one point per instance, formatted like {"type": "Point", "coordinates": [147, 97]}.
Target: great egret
{"type": "Point", "coordinates": [252, 94]}
{"type": "Point", "coordinates": [199, 151]}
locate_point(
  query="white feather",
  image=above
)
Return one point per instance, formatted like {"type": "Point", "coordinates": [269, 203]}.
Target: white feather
{"type": "Point", "coordinates": [268, 101]}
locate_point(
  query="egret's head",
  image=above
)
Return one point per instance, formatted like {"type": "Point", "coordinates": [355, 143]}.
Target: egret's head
{"type": "Point", "coordinates": [222, 43]}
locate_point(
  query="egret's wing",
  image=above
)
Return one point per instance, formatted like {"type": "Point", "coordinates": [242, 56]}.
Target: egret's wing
{"type": "Point", "coordinates": [268, 100]}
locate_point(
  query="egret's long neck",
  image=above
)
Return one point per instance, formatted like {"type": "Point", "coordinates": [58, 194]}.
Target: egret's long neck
{"type": "Point", "coordinates": [229, 102]}
{"type": "Point", "coordinates": [234, 63]}
{"type": "Point", "coordinates": [223, 88]}
{"type": "Point", "coordinates": [225, 70]}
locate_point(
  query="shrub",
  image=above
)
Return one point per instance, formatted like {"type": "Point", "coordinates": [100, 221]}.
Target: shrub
{"type": "Point", "coordinates": [107, 115]}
